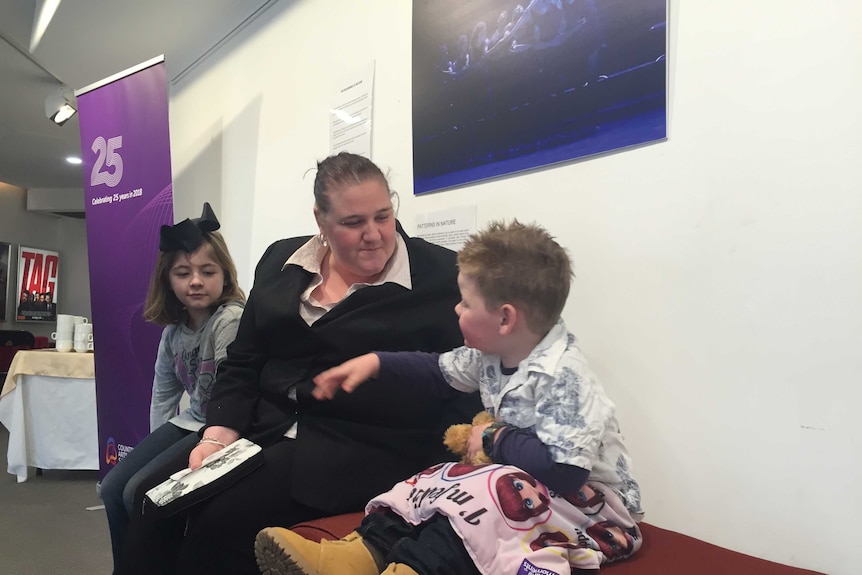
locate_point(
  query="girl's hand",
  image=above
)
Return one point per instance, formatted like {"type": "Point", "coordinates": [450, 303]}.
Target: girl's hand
{"type": "Point", "coordinates": [203, 450]}
{"type": "Point", "coordinates": [347, 376]}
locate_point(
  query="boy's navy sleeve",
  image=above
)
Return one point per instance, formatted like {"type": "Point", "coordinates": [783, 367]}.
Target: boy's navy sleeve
{"type": "Point", "coordinates": [419, 367]}
{"type": "Point", "coordinates": [524, 449]}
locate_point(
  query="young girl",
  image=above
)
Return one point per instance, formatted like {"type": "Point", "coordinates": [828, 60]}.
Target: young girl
{"type": "Point", "coordinates": [195, 295]}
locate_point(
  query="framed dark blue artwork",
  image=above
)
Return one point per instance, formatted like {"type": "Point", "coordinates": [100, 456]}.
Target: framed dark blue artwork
{"type": "Point", "coordinates": [506, 86]}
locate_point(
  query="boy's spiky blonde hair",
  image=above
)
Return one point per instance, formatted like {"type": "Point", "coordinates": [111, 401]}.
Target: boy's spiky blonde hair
{"type": "Point", "coordinates": [522, 265]}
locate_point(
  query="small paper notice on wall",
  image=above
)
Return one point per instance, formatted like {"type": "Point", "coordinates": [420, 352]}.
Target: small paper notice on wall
{"type": "Point", "coordinates": [350, 114]}
{"type": "Point", "coordinates": [449, 228]}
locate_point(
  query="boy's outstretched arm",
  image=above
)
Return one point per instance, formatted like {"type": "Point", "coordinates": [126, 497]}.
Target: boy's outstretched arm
{"type": "Point", "coordinates": [347, 376]}
{"type": "Point", "coordinates": [419, 369]}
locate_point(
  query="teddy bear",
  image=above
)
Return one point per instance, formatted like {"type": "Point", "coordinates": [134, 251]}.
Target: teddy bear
{"type": "Point", "coordinates": [456, 438]}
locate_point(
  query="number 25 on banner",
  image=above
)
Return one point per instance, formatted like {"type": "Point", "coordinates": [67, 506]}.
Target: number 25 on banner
{"type": "Point", "coordinates": [107, 157]}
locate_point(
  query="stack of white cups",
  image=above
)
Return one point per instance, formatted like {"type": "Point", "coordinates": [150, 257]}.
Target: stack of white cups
{"type": "Point", "coordinates": [83, 337]}
{"type": "Point", "coordinates": [65, 332]}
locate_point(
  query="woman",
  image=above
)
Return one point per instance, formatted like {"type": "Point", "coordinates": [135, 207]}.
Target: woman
{"type": "Point", "coordinates": [361, 284]}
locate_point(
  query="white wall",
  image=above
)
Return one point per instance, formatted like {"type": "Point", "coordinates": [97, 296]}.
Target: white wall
{"type": "Point", "coordinates": [718, 274]}
{"type": "Point", "coordinates": [64, 235]}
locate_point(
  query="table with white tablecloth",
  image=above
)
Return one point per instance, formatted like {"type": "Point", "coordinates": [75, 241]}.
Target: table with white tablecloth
{"type": "Point", "coordinates": [48, 404]}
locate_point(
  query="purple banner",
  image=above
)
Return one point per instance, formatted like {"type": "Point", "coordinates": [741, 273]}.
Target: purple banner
{"type": "Point", "coordinates": [125, 146]}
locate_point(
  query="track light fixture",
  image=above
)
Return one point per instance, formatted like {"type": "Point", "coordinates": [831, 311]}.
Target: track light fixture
{"type": "Point", "coordinates": [59, 105]}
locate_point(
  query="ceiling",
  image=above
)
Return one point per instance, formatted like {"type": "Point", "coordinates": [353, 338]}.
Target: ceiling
{"type": "Point", "coordinates": [87, 41]}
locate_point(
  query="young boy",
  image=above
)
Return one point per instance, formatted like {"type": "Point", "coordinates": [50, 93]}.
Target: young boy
{"type": "Point", "coordinates": [555, 430]}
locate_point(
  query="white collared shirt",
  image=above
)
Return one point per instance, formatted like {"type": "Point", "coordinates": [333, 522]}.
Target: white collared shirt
{"type": "Point", "coordinates": [310, 257]}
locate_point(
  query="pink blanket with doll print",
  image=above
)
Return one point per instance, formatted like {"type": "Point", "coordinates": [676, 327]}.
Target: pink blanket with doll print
{"type": "Point", "coordinates": [512, 524]}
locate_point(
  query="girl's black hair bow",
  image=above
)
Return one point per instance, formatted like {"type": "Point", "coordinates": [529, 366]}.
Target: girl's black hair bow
{"type": "Point", "coordinates": [188, 234]}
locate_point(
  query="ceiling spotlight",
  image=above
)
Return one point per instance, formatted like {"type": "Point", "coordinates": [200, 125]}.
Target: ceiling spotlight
{"type": "Point", "coordinates": [59, 106]}
{"type": "Point", "coordinates": [73, 160]}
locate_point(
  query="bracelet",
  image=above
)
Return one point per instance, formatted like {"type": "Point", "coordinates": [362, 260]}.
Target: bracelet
{"type": "Point", "coordinates": [212, 440]}
{"type": "Point", "coordinates": [488, 437]}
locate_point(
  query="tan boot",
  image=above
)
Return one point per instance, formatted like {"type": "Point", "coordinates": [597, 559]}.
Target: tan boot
{"type": "Point", "coordinates": [280, 551]}
{"type": "Point", "coordinates": [399, 569]}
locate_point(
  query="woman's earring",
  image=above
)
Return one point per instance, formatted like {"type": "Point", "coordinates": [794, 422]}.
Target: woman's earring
{"type": "Point", "coordinates": [323, 241]}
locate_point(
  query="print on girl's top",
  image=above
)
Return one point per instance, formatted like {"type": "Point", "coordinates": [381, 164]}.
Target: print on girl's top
{"type": "Point", "coordinates": [190, 357]}
{"type": "Point", "coordinates": [511, 523]}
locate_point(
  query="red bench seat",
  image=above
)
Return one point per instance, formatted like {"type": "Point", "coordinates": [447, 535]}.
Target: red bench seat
{"type": "Point", "coordinates": [664, 552]}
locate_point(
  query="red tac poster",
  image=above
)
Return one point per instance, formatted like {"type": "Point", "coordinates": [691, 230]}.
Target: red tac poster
{"type": "Point", "coordinates": [37, 285]}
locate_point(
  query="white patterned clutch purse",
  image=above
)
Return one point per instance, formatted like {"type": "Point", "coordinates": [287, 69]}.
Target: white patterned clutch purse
{"type": "Point", "coordinates": [218, 471]}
